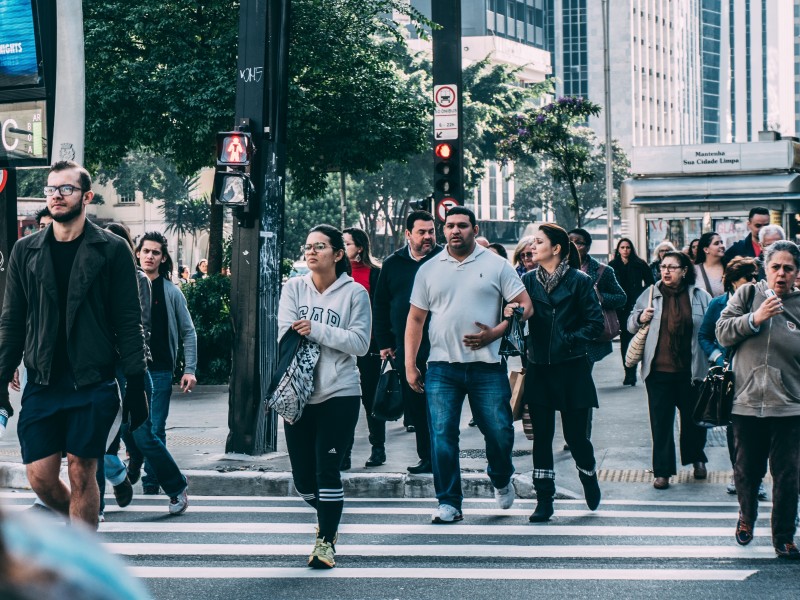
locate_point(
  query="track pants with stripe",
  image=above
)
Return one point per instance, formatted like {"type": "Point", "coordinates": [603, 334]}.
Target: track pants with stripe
{"type": "Point", "coordinates": [316, 444]}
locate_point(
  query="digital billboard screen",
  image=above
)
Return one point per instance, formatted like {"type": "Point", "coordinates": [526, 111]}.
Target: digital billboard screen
{"type": "Point", "coordinates": [19, 60]}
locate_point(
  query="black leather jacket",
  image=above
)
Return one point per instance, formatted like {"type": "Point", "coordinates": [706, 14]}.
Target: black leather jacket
{"type": "Point", "coordinates": [563, 321]}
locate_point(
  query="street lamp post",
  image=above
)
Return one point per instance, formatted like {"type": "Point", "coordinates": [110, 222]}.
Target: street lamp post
{"type": "Point", "coordinates": [609, 149]}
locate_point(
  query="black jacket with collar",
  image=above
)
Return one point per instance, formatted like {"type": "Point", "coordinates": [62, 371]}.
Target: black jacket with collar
{"type": "Point", "coordinates": [564, 321]}
{"type": "Point", "coordinates": [741, 248]}
{"type": "Point", "coordinates": [392, 300]}
{"type": "Point", "coordinates": [104, 317]}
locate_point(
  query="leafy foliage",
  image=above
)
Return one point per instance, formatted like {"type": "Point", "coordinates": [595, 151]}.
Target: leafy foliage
{"type": "Point", "coordinates": [550, 132]}
{"type": "Point", "coordinates": [535, 187]}
{"type": "Point", "coordinates": [209, 303]}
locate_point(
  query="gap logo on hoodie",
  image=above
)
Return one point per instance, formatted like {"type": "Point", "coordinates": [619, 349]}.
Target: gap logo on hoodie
{"type": "Point", "coordinates": [332, 318]}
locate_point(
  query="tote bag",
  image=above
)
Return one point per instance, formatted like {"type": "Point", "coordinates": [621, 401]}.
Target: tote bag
{"type": "Point", "coordinates": [293, 383]}
{"type": "Point", "coordinates": [635, 351]}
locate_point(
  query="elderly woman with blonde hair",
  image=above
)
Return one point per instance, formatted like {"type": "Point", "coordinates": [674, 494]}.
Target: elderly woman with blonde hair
{"type": "Point", "coordinates": [659, 253]}
{"type": "Point", "coordinates": [523, 256]}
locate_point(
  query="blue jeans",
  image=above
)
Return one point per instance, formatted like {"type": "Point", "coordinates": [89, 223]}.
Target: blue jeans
{"type": "Point", "coordinates": [144, 443]}
{"type": "Point", "coordinates": [159, 411]}
{"type": "Point", "coordinates": [489, 394]}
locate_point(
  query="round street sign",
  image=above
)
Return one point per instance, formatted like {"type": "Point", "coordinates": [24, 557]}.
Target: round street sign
{"type": "Point", "coordinates": [443, 206]}
{"type": "Point", "coordinates": [3, 179]}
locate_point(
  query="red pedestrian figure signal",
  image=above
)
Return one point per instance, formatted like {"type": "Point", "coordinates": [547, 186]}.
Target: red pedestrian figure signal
{"type": "Point", "coordinates": [234, 149]}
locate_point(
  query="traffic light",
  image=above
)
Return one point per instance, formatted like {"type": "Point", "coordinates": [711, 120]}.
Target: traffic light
{"type": "Point", "coordinates": [447, 171]}
{"type": "Point", "coordinates": [232, 183]}
{"type": "Point", "coordinates": [422, 204]}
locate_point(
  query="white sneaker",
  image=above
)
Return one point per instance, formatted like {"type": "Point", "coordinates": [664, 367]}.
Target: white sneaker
{"type": "Point", "coordinates": [762, 492]}
{"type": "Point", "coordinates": [446, 514]}
{"type": "Point", "coordinates": [178, 504]}
{"type": "Point", "coordinates": [101, 517]}
{"type": "Point", "coordinates": [505, 496]}
{"type": "Point", "coordinates": [731, 489]}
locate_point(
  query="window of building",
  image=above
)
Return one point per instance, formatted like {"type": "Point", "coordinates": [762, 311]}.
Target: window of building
{"type": "Point", "coordinates": [125, 199]}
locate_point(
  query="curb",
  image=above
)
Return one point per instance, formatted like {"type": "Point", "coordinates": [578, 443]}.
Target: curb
{"type": "Point", "coordinates": [356, 485]}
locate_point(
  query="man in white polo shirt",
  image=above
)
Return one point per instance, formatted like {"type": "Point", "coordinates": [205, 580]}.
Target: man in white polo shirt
{"type": "Point", "coordinates": [463, 289]}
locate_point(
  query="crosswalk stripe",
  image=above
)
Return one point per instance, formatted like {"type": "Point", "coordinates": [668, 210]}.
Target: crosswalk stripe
{"type": "Point", "coordinates": [447, 573]}
{"type": "Point", "coordinates": [430, 501]}
{"type": "Point", "coordinates": [614, 514]}
{"type": "Point", "coordinates": [175, 526]}
{"type": "Point", "coordinates": [455, 551]}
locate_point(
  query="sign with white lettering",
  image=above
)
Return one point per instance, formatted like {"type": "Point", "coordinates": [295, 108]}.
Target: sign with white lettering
{"type": "Point", "coordinates": [22, 131]}
{"type": "Point", "coordinates": [19, 62]}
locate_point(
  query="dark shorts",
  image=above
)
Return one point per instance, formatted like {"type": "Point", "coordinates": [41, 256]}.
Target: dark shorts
{"type": "Point", "coordinates": [58, 418]}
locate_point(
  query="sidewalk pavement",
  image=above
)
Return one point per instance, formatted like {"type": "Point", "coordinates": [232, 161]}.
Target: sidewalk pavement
{"type": "Point", "coordinates": [198, 426]}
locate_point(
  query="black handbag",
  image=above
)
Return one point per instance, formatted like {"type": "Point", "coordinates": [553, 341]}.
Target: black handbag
{"type": "Point", "coordinates": [715, 398]}
{"type": "Point", "coordinates": [513, 343]}
{"type": "Point", "coordinates": [388, 403]}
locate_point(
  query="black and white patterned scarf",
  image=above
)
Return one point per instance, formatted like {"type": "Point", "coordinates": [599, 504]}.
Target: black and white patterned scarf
{"type": "Point", "coordinates": [549, 281]}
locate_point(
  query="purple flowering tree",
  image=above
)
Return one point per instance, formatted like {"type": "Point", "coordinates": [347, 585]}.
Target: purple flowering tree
{"type": "Point", "coordinates": [550, 133]}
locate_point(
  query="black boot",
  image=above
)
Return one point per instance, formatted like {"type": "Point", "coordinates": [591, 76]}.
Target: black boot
{"type": "Point", "coordinates": [545, 490]}
{"type": "Point", "coordinates": [377, 457]}
{"type": "Point", "coordinates": [591, 489]}
{"type": "Point", "coordinates": [630, 376]}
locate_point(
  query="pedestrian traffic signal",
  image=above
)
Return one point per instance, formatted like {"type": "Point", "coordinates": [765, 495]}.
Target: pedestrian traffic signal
{"type": "Point", "coordinates": [234, 149]}
{"type": "Point", "coordinates": [232, 185]}
{"type": "Point", "coordinates": [446, 171]}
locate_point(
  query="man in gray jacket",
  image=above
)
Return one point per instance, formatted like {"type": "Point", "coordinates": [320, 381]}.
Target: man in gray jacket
{"type": "Point", "coordinates": [170, 318]}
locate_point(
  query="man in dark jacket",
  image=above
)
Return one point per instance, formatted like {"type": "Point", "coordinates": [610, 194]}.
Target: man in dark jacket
{"type": "Point", "coordinates": [749, 246]}
{"type": "Point", "coordinates": [71, 305]}
{"type": "Point", "coordinates": [390, 312]}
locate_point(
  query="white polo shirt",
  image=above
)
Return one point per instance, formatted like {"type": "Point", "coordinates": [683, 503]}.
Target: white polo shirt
{"type": "Point", "coordinates": [457, 294]}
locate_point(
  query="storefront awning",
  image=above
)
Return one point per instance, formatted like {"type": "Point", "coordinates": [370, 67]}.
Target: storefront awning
{"type": "Point", "coordinates": [725, 188]}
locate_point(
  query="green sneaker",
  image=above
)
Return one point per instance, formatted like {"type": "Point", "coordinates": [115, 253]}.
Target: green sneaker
{"type": "Point", "coordinates": [323, 555]}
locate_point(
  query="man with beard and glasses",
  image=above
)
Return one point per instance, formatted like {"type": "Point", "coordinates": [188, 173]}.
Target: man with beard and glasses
{"type": "Point", "coordinates": [462, 290]}
{"type": "Point", "coordinates": [72, 306]}
{"type": "Point", "coordinates": [390, 313]}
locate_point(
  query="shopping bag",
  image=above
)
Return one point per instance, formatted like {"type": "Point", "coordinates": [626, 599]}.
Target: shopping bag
{"type": "Point", "coordinates": [516, 380]}
{"type": "Point", "coordinates": [388, 402]}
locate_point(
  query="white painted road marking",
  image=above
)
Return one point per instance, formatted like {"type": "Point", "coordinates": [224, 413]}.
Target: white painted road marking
{"type": "Point", "coordinates": [449, 573]}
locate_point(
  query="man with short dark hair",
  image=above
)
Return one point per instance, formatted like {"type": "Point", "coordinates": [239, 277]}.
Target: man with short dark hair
{"type": "Point", "coordinates": [389, 315]}
{"type": "Point", "coordinates": [72, 305]}
{"type": "Point", "coordinates": [43, 219]}
{"type": "Point", "coordinates": [749, 246]}
{"type": "Point", "coordinates": [169, 321]}
{"type": "Point", "coordinates": [462, 290]}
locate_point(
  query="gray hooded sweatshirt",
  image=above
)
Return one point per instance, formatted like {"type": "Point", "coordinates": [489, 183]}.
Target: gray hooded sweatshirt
{"type": "Point", "coordinates": [766, 364]}
{"type": "Point", "coordinates": [341, 323]}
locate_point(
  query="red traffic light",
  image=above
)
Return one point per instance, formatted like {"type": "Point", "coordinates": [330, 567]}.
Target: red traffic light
{"type": "Point", "coordinates": [234, 149]}
{"type": "Point", "coordinates": [443, 151]}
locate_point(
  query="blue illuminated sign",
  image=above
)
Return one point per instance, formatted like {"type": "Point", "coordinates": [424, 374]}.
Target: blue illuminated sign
{"type": "Point", "coordinates": [19, 61]}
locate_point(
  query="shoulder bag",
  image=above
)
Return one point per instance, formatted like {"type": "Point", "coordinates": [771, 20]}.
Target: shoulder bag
{"type": "Point", "coordinates": [293, 383]}
{"type": "Point", "coordinates": [388, 402]}
{"type": "Point", "coordinates": [715, 397]}
{"type": "Point", "coordinates": [636, 348]}
{"type": "Point", "coordinates": [611, 326]}
{"type": "Point", "coordinates": [513, 341]}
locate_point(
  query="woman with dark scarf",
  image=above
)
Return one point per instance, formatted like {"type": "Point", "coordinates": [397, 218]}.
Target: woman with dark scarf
{"type": "Point", "coordinates": [673, 364]}
{"type": "Point", "coordinates": [635, 276]}
{"type": "Point", "coordinates": [566, 318]}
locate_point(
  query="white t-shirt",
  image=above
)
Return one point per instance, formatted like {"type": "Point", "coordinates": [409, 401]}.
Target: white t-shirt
{"type": "Point", "coordinates": [457, 294]}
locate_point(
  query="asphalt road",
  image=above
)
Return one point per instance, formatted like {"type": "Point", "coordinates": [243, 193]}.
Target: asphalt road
{"type": "Point", "coordinates": [249, 547]}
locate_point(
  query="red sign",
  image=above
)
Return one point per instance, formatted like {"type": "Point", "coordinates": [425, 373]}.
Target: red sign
{"type": "Point", "coordinates": [443, 206]}
{"type": "Point", "coordinates": [3, 180]}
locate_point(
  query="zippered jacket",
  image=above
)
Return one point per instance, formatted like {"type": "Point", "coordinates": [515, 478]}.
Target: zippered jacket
{"type": "Point", "coordinates": [104, 317]}
{"type": "Point", "coordinates": [565, 321]}
{"type": "Point", "coordinates": [766, 363]}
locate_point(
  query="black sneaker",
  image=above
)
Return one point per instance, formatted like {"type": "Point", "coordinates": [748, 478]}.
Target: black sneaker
{"type": "Point", "coordinates": [134, 471]}
{"type": "Point", "coordinates": [788, 551]}
{"type": "Point", "coordinates": [744, 532]}
{"type": "Point", "coordinates": [123, 493]}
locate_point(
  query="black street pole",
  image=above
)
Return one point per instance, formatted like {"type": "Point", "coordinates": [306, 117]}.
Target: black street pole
{"type": "Point", "coordinates": [8, 222]}
{"type": "Point", "coordinates": [261, 92]}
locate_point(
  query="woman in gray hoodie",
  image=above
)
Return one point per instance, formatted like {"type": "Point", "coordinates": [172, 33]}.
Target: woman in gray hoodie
{"type": "Point", "coordinates": [329, 308]}
{"type": "Point", "coordinates": [762, 321]}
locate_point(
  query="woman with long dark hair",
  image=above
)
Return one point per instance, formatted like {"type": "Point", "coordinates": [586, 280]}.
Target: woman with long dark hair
{"type": "Point", "coordinates": [328, 307]}
{"type": "Point", "coordinates": [366, 270]}
{"type": "Point", "coordinates": [566, 318]}
{"type": "Point", "coordinates": [635, 276]}
{"type": "Point", "coordinates": [673, 364]}
{"type": "Point", "coordinates": [708, 263]}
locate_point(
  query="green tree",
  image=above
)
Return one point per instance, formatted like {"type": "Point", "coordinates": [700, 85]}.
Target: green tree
{"type": "Point", "coordinates": [188, 216]}
{"type": "Point", "coordinates": [535, 190]}
{"type": "Point", "coordinates": [550, 133]}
